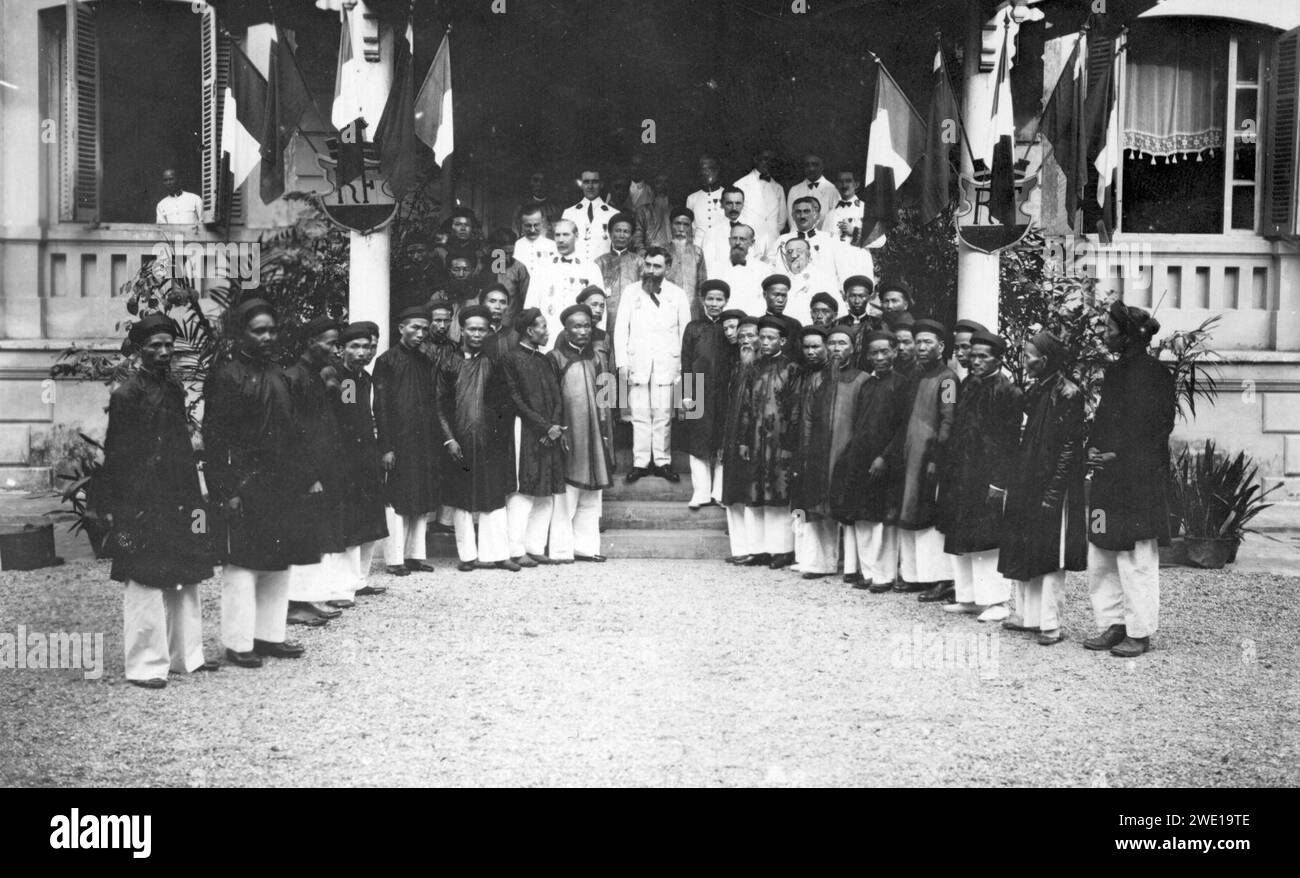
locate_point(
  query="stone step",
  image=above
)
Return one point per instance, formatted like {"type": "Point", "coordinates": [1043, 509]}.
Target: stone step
{"type": "Point", "coordinates": [660, 515]}
{"type": "Point", "coordinates": [28, 478]}
{"type": "Point", "coordinates": [623, 460]}
{"type": "Point", "coordinates": [648, 489]}
{"type": "Point", "coordinates": [695, 543]}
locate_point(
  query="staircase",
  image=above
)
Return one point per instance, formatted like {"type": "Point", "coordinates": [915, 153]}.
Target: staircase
{"type": "Point", "coordinates": [648, 519]}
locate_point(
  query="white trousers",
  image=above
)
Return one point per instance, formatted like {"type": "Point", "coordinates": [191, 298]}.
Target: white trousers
{"type": "Point", "coordinates": [162, 630]}
{"type": "Point", "coordinates": [771, 531]}
{"type": "Point", "coordinates": [359, 560]}
{"type": "Point", "coordinates": [577, 524]}
{"type": "Point", "coordinates": [921, 557]}
{"type": "Point", "coordinates": [329, 579]}
{"type": "Point", "coordinates": [871, 548]}
{"type": "Point", "coordinates": [492, 543]}
{"type": "Point", "coordinates": [652, 408]}
{"type": "Point", "coordinates": [706, 481]}
{"type": "Point", "coordinates": [1125, 587]}
{"type": "Point", "coordinates": [406, 537]}
{"type": "Point", "coordinates": [742, 524]}
{"type": "Point", "coordinates": [977, 580]}
{"type": "Point", "coordinates": [817, 548]}
{"type": "Point", "coordinates": [1038, 601]}
{"type": "Point", "coordinates": [254, 605]}
{"type": "Point", "coordinates": [530, 522]}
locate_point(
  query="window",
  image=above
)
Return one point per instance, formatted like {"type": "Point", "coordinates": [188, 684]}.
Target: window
{"type": "Point", "coordinates": [1190, 128]}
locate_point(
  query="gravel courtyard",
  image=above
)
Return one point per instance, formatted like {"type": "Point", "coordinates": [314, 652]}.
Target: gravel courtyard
{"type": "Point", "coordinates": [669, 673]}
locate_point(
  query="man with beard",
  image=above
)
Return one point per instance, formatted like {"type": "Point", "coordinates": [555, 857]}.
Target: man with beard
{"type": "Point", "coordinates": [705, 369]}
{"type": "Point", "coordinates": [799, 400]}
{"type": "Point", "coordinates": [621, 266]}
{"type": "Point", "coordinates": [601, 342]}
{"type": "Point", "coordinates": [535, 247]}
{"type": "Point", "coordinates": [502, 336]}
{"type": "Point", "coordinates": [477, 421]}
{"type": "Point", "coordinates": [319, 570]}
{"type": "Point", "coordinates": [151, 487]}
{"type": "Point", "coordinates": [823, 309]}
{"type": "Point", "coordinates": [742, 272]}
{"type": "Point", "coordinates": [717, 244]}
{"type": "Point", "coordinates": [508, 271]}
{"type": "Point", "coordinates": [825, 258]}
{"type": "Point", "coordinates": [742, 523]}
{"type": "Point", "coordinates": [705, 203]}
{"type": "Point", "coordinates": [406, 423]}
{"type": "Point", "coordinates": [765, 203]}
{"type": "Point", "coordinates": [765, 446]}
{"type": "Point", "coordinates": [806, 280]}
{"type": "Point", "coordinates": [922, 562]}
{"type": "Point", "coordinates": [363, 500]}
{"type": "Point", "coordinates": [686, 267]}
{"type": "Point", "coordinates": [1044, 530]}
{"type": "Point", "coordinates": [815, 186]}
{"type": "Point", "coordinates": [587, 441]}
{"type": "Point", "coordinates": [985, 438]}
{"type": "Point", "coordinates": [535, 391]}
{"type": "Point", "coordinates": [1128, 455]}
{"type": "Point", "coordinates": [564, 276]}
{"type": "Point", "coordinates": [253, 471]}
{"type": "Point", "coordinates": [961, 335]}
{"type": "Point", "coordinates": [654, 219]}
{"type": "Point", "coordinates": [648, 345]}
{"type": "Point", "coordinates": [590, 218]}
{"type": "Point", "coordinates": [865, 482]}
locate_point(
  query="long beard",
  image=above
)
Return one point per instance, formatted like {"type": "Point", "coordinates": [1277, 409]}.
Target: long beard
{"type": "Point", "coordinates": [747, 354]}
{"type": "Point", "coordinates": [651, 284]}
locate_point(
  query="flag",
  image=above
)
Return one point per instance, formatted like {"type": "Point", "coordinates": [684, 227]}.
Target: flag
{"type": "Point", "coordinates": [1103, 120]}
{"type": "Point", "coordinates": [287, 100]}
{"type": "Point", "coordinates": [433, 114]}
{"type": "Point", "coordinates": [245, 101]}
{"type": "Point", "coordinates": [1002, 146]}
{"type": "Point", "coordinates": [893, 148]}
{"type": "Point", "coordinates": [347, 91]}
{"type": "Point", "coordinates": [942, 132]}
{"type": "Point", "coordinates": [395, 133]}
{"type": "Point", "coordinates": [1062, 125]}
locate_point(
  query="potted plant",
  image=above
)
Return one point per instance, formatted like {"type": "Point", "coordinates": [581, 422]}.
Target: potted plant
{"type": "Point", "coordinates": [81, 474]}
{"type": "Point", "coordinates": [1218, 497]}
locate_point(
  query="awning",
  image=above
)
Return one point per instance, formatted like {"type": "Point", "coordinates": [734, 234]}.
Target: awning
{"type": "Point", "coordinates": [1281, 14]}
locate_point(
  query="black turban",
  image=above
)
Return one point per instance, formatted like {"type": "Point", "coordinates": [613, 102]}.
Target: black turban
{"type": "Point", "coordinates": [250, 308]}
{"type": "Point", "coordinates": [526, 319]}
{"type": "Point", "coordinates": [826, 299]}
{"type": "Point", "coordinates": [317, 326]}
{"type": "Point", "coordinates": [575, 309]}
{"type": "Point", "coordinates": [715, 285]}
{"type": "Point", "coordinates": [995, 342]}
{"type": "Point", "coordinates": [769, 322]}
{"type": "Point", "coordinates": [928, 325]}
{"type": "Point", "coordinates": [474, 311]}
{"type": "Point", "coordinates": [146, 327]}
{"type": "Point", "coordinates": [775, 279]}
{"type": "Point", "coordinates": [1052, 349]}
{"type": "Point", "coordinates": [354, 331]}
{"type": "Point", "coordinates": [859, 280]}
{"type": "Point", "coordinates": [588, 292]}
{"type": "Point", "coordinates": [413, 313]}
{"type": "Point", "coordinates": [731, 314]}
{"type": "Point", "coordinates": [878, 335]}
{"type": "Point", "coordinates": [1136, 324]}
{"type": "Point", "coordinates": [969, 326]}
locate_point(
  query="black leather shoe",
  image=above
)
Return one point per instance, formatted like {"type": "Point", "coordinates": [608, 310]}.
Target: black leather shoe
{"type": "Point", "coordinates": [944, 590]}
{"type": "Point", "coordinates": [736, 559]}
{"type": "Point", "coordinates": [341, 604]}
{"type": "Point", "coordinates": [524, 561]}
{"type": "Point", "coordinates": [540, 559]}
{"type": "Point", "coordinates": [243, 659]}
{"type": "Point", "coordinates": [155, 683]}
{"type": "Point", "coordinates": [367, 590]}
{"type": "Point", "coordinates": [209, 665]}
{"type": "Point", "coordinates": [634, 475]}
{"type": "Point", "coordinates": [912, 587]}
{"type": "Point", "coordinates": [417, 566]}
{"type": "Point", "coordinates": [300, 616]}
{"type": "Point", "coordinates": [762, 559]}
{"type": "Point", "coordinates": [1131, 647]}
{"type": "Point", "coordinates": [784, 559]}
{"type": "Point", "coordinates": [287, 649]}
{"type": "Point", "coordinates": [594, 559]}
{"type": "Point", "coordinates": [667, 472]}
{"type": "Point", "coordinates": [397, 570]}
{"type": "Point", "coordinates": [880, 587]}
{"type": "Point", "coordinates": [1111, 637]}
{"type": "Point", "coordinates": [467, 566]}
{"type": "Point", "coordinates": [853, 579]}
{"type": "Point", "coordinates": [508, 565]}
{"type": "Point", "coordinates": [815, 575]}
{"type": "Point", "coordinates": [320, 610]}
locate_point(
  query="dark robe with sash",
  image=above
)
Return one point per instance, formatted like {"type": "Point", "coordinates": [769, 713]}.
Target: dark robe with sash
{"type": "Point", "coordinates": [406, 420]}
{"type": "Point", "coordinates": [982, 453]}
{"type": "Point", "coordinates": [318, 526]}
{"type": "Point", "coordinates": [1134, 418]}
{"type": "Point", "coordinates": [590, 461]}
{"type": "Point", "coordinates": [151, 487]}
{"type": "Point", "coordinates": [827, 425]}
{"type": "Point", "coordinates": [253, 454]}
{"type": "Point", "coordinates": [933, 393]}
{"type": "Point", "coordinates": [474, 409]}
{"type": "Point", "coordinates": [798, 403]}
{"type": "Point", "coordinates": [1046, 478]}
{"type": "Point", "coordinates": [535, 390]}
{"type": "Point", "coordinates": [879, 432]}
{"type": "Point", "coordinates": [362, 473]}
{"type": "Point", "coordinates": [706, 367]}
{"type": "Point", "coordinates": [735, 472]}
{"type": "Point", "coordinates": [765, 429]}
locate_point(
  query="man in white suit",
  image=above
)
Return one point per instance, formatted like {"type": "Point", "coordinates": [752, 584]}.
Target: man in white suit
{"type": "Point", "coordinates": [652, 318]}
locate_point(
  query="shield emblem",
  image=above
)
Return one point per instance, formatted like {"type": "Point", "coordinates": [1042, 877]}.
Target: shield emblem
{"type": "Point", "coordinates": [360, 198]}
{"type": "Point", "coordinates": [993, 214]}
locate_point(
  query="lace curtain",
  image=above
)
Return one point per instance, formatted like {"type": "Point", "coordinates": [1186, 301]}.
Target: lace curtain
{"type": "Point", "coordinates": [1176, 95]}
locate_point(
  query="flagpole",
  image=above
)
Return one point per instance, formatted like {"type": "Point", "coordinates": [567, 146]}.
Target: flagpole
{"type": "Point", "coordinates": [978, 278]}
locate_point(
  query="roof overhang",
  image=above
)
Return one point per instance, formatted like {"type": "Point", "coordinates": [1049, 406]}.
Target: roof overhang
{"type": "Point", "coordinates": [1281, 14]}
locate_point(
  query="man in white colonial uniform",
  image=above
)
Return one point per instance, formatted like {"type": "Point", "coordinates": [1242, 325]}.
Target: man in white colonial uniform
{"type": "Point", "coordinates": [561, 277]}
{"type": "Point", "coordinates": [706, 202]}
{"type": "Point", "coordinates": [534, 249]}
{"type": "Point", "coordinates": [648, 344]}
{"type": "Point", "coordinates": [765, 205]}
{"type": "Point", "coordinates": [743, 272]}
{"type": "Point", "coordinates": [590, 217]}
{"type": "Point", "coordinates": [818, 187]}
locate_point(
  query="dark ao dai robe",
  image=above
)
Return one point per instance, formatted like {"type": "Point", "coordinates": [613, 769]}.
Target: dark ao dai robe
{"type": "Point", "coordinates": [474, 408]}
{"type": "Point", "coordinates": [829, 423]}
{"type": "Point", "coordinates": [362, 473]}
{"type": "Point", "coordinates": [933, 402]}
{"type": "Point", "coordinates": [735, 472]}
{"type": "Point", "coordinates": [406, 421]}
{"type": "Point", "coordinates": [590, 462]}
{"type": "Point", "coordinates": [766, 429]}
{"type": "Point", "coordinates": [318, 526]}
{"type": "Point", "coordinates": [879, 432]}
{"type": "Point", "coordinates": [985, 440]}
{"type": "Point", "coordinates": [706, 368]}
{"type": "Point", "coordinates": [535, 390]}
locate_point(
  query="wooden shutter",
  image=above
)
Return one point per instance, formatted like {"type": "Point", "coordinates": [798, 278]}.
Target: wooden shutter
{"type": "Point", "coordinates": [1282, 161]}
{"type": "Point", "coordinates": [1101, 58]}
{"type": "Point", "coordinates": [212, 97]}
{"type": "Point", "coordinates": [81, 172]}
